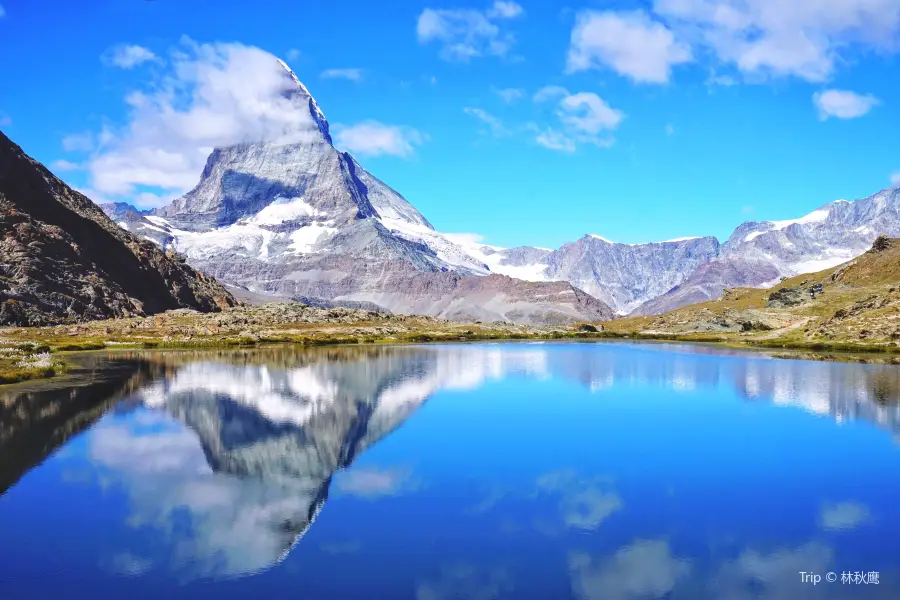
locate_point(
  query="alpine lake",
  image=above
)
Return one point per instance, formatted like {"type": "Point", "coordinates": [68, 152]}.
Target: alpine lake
{"type": "Point", "coordinates": [590, 471]}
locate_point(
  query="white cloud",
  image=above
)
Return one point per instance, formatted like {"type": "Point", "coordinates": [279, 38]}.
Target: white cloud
{"type": "Point", "coordinates": [375, 139]}
{"type": "Point", "coordinates": [78, 142]}
{"type": "Point", "coordinates": [128, 564]}
{"type": "Point", "coordinates": [895, 178]}
{"type": "Point", "coordinates": [644, 569]}
{"type": "Point", "coordinates": [64, 165]}
{"type": "Point", "coordinates": [93, 195]}
{"type": "Point", "coordinates": [128, 56]}
{"type": "Point", "coordinates": [293, 54]}
{"type": "Point", "coordinates": [775, 575]}
{"type": "Point", "coordinates": [467, 581]}
{"type": "Point", "coordinates": [843, 104]}
{"type": "Point", "coordinates": [553, 139]}
{"type": "Point", "coordinates": [550, 92]}
{"type": "Point", "coordinates": [584, 117]}
{"type": "Point", "coordinates": [722, 80]}
{"type": "Point", "coordinates": [373, 482]}
{"type": "Point", "coordinates": [509, 95]}
{"type": "Point", "coordinates": [232, 521]}
{"type": "Point", "coordinates": [843, 516]}
{"type": "Point", "coordinates": [629, 43]}
{"type": "Point", "coordinates": [212, 95]}
{"type": "Point", "coordinates": [765, 38]}
{"type": "Point", "coordinates": [588, 113]}
{"type": "Point", "coordinates": [494, 125]}
{"type": "Point", "coordinates": [151, 200]}
{"type": "Point", "coordinates": [469, 33]}
{"type": "Point", "coordinates": [587, 509]}
{"type": "Point", "coordinates": [351, 74]}
{"type": "Point", "coordinates": [505, 10]}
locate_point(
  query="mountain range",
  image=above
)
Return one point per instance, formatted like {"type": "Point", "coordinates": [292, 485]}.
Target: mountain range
{"type": "Point", "coordinates": [296, 217]}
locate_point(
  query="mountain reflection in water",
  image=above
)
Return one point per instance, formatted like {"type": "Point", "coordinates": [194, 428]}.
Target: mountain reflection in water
{"type": "Point", "coordinates": [229, 456]}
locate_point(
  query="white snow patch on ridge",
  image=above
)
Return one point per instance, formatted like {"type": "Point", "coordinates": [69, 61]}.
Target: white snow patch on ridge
{"type": "Point", "coordinates": [303, 239]}
{"type": "Point", "coordinates": [492, 259]}
{"type": "Point", "coordinates": [451, 253]}
{"type": "Point", "coordinates": [281, 210]}
{"type": "Point", "coordinates": [248, 236]}
{"type": "Point", "coordinates": [813, 217]}
{"type": "Point", "coordinates": [601, 238]}
{"type": "Point", "coordinates": [681, 239]}
{"type": "Point", "coordinates": [158, 221]}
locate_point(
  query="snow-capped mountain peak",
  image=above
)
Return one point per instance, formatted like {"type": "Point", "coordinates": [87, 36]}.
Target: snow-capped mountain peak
{"type": "Point", "coordinates": [601, 238]}
{"type": "Point", "coordinates": [315, 112]}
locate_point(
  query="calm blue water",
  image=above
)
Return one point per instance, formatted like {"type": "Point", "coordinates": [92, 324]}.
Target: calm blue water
{"type": "Point", "coordinates": [587, 471]}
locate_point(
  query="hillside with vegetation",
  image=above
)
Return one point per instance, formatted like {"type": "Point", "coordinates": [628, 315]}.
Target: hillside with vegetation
{"type": "Point", "coordinates": [854, 306]}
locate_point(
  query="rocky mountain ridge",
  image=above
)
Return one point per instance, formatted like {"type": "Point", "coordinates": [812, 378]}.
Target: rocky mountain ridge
{"type": "Point", "coordinates": [759, 254]}
{"type": "Point", "coordinates": [64, 260]}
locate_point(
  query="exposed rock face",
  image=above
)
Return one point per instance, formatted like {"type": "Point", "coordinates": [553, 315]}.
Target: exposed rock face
{"type": "Point", "coordinates": [64, 260]}
{"type": "Point", "coordinates": [785, 297]}
{"type": "Point", "coordinates": [759, 254]}
{"type": "Point", "coordinates": [709, 281]}
{"type": "Point", "coordinates": [490, 298]}
{"type": "Point", "coordinates": [626, 275]}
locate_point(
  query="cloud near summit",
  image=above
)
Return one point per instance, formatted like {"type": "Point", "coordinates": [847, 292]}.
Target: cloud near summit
{"type": "Point", "coordinates": [207, 96]}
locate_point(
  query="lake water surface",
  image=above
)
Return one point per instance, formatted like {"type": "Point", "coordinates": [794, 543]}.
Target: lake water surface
{"type": "Point", "coordinates": [539, 470]}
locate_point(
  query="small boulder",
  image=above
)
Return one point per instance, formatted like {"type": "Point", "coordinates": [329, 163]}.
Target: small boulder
{"type": "Point", "coordinates": [882, 243]}
{"type": "Point", "coordinates": [784, 297]}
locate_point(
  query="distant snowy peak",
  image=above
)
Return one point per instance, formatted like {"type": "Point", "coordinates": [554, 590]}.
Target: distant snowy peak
{"type": "Point", "coordinates": [601, 238]}
{"type": "Point", "coordinates": [758, 254]}
{"type": "Point", "coordinates": [817, 216]}
{"type": "Point", "coordinates": [626, 275]}
{"type": "Point", "coordinates": [823, 238]}
{"type": "Point", "coordinates": [621, 275]}
{"type": "Point", "coordinates": [122, 211]}
{"type": "Point", "coordinates": [672, 241]}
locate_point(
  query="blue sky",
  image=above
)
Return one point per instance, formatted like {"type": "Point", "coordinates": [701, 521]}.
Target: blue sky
{"type": "Point", "coordinates": [656, 120]}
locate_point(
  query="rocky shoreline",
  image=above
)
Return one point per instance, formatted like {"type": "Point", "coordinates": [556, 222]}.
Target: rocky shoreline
{"type": "Point", "coordinates": [28, 353]}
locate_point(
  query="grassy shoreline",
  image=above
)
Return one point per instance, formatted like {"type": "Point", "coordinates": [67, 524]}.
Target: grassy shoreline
{"type": "Point", "coordinates": [59, 350]}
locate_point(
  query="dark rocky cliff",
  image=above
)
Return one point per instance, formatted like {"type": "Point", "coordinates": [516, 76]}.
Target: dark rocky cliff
{"type": "Point", "coordinates": [63, 260]}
